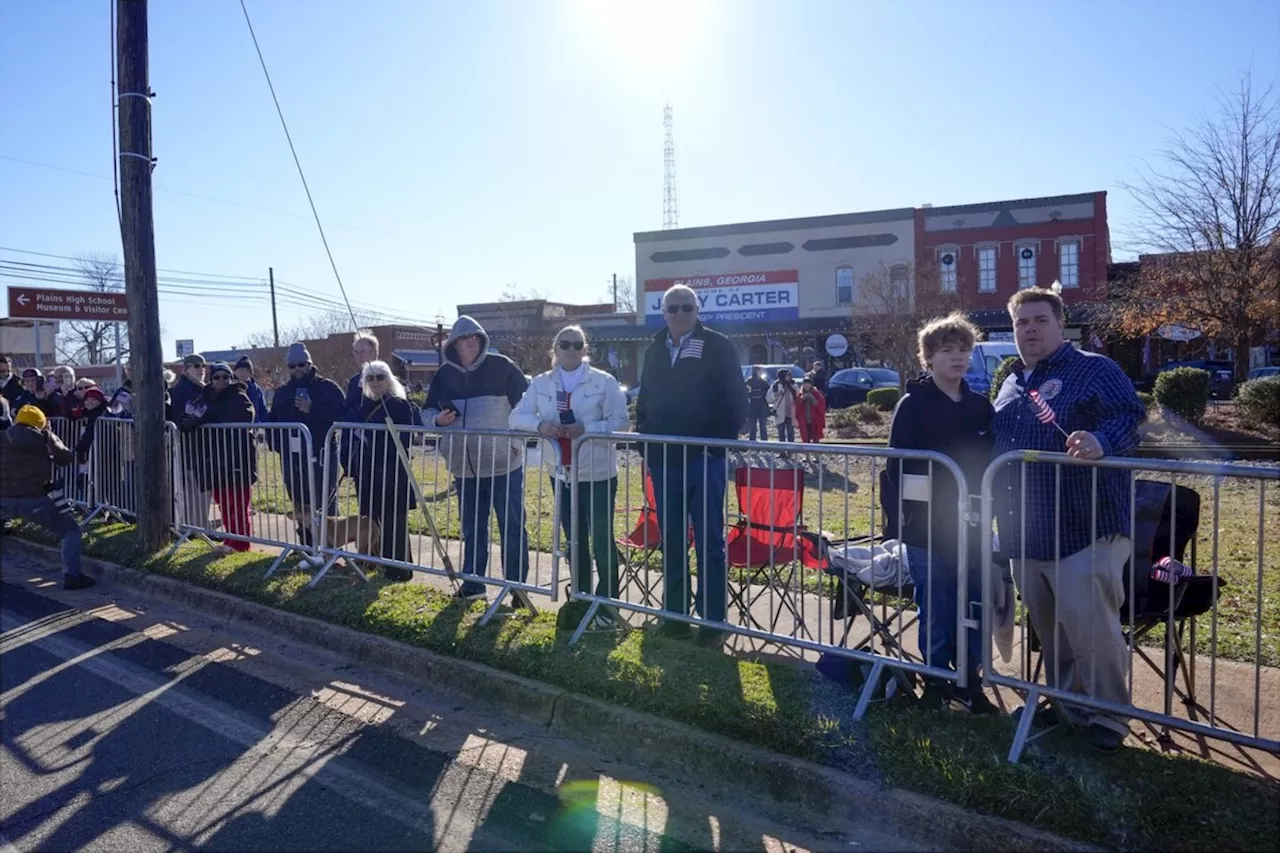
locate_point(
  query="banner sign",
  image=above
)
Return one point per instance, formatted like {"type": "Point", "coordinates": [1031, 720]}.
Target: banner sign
{"type": "Point", "coordinates": [748, 297]}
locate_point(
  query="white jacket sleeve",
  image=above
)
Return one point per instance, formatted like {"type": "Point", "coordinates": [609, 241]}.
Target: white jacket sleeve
{"type": "Point", "coordinates": [524, 417]}
{"type": "Point", "coordinates": [616, 417]}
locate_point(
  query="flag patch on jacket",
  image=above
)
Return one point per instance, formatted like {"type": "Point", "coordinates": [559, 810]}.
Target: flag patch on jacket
{"type": "Point", "coordinates": [691, 349]}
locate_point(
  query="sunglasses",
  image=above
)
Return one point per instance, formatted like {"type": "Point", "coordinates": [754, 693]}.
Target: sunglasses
{"type": "Point", "coordinates": [566, 345]}
{"type": "Point", "coordinates": [222, 377]}
{"type": "Point", "coordinates": [686, 307]}
{"type": "Point", "coordinates": [299, 365]}
{"type": "Point", "coordinates": [378, 377]}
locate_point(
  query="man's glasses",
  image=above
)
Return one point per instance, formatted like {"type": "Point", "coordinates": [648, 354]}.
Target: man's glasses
{"type": "Point", "coordinates": [571, 345]}
{"type": "Point", "coordinates": [686, 307]}
{"type": "Point", "coordinates": [221, 377]}
{"type": "Point", "coordinates": [299, 365]}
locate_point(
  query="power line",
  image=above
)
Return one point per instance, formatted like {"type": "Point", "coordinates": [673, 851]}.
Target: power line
{"type": "Point", "coordinates": [36, 163]}
{"type": "Point", "coordinates": [297, 162]}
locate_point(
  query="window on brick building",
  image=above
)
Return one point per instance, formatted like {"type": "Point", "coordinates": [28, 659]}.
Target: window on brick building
{"type": "Point", "coordinates": [948, 261]}
{"type": "Point", "coordinates": [899, 281]}
{"type": "Point", "coordinates": [1069, 263]}
{"type": "Point", "coordinates": [986, 269]}
{"type": "Point", "coordinates": [1027, 256]}
{"type": "Point", "coordinates": [844, 285]}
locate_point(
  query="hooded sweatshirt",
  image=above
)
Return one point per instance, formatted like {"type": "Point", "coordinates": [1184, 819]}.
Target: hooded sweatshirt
{"type": "Point", "coordinates": [927, 419]}
{"type": "Point", "coordinates": [483, 394]}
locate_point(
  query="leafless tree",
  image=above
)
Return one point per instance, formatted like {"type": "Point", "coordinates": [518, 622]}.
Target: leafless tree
{"type": "Point", "coordinates": [1210, 211]}
{"type": "Point", "coordinates": [81, 342]}
{"type": "Point", "coordinates": [624, 296]}
{"type": "Point", "coordinates": [890, 305]}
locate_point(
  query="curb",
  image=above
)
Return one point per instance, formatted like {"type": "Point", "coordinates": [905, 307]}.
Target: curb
{"type": "Point", "coordinates": [821, 792]}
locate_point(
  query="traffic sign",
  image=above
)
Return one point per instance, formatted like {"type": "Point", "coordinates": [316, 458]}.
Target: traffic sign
{"type": "Point", "coordinates": [837, 345]}
{"type": "Point", "coordinates": [95, 306]}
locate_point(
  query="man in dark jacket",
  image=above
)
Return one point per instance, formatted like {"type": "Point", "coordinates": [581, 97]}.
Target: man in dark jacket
{"type": "Point", "coordinates": [941, 414]}
{"type": "Point", "coordinates": [27, 449]}
{"type": "Point", "coordinates": [690, 385]}
{"type": "Point", "coordinates": [758, 404]}
{"type": "Point", "coordinates": [244, 375]}
{"type": "Point", "coordinates": [316, 402]}
{"type": "Point", "coordinates": [35, 392]}
{"type": "Point", "coordinates": [10, 384]}
{"type": "Point", "coordinates": [818, 375]}
{"type": "Point", "coordinates": [364, 349]}
{"type": "Point", "coordinates": [195, 501]}
{"type": "Point", "coordinates": [476, 389]}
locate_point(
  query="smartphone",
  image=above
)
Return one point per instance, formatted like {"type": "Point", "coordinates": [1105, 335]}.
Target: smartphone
{"type": "Point", "coordinates": [448, 406]}
{"type": "Point", "coordinates": [567, 418]}
{"type": "Point", "coordinates": [302, 394]}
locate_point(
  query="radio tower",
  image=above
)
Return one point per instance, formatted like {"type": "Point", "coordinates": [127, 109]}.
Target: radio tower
{"type": "Point", "coordinates": [670, 211]}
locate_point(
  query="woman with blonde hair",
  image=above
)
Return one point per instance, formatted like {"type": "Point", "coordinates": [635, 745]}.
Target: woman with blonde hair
{"type": "Point", "coordinates": [570, 399]}
{"type": "Point", "coordinates": [382, 484]}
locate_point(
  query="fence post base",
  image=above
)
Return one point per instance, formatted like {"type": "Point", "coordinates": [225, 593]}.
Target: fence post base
{"type": "Point", "coordinates": [186, 534]}
{"type": "Point", "coordinates": [284, 552]}
{"type": "Point", "coordinates": [493, 608]}
{"type": "Point", "coordinates": [586, 620]}
{"type": "Point", "coordinates": [864, 698]}
{"type": "Point", "coordinates": [91, 516]}
{"type": "Point", "coordinates": [1023, 730]}
{"type": "Point", "coordinates": [324, 570]}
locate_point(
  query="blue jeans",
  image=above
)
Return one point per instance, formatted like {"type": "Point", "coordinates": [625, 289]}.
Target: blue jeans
{"type": "Point", "coordinates": [505, 495]}
{"type": "Point", "coordinates": [761, 425]}
{"type": "Point", "coordinates": [787, 431]}
{"type": "Point", "coordinates": [937, 602]}
{"type": "Point", "coordinates": [44, 512]}
{"type": "Point", "coordinates": [691, 489]}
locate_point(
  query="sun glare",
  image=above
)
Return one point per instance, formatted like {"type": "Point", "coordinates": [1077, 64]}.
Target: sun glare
{"type": "Point", "coordinates": [646, 36]}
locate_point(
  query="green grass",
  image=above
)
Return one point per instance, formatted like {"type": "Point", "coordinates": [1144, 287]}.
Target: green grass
{"type": "Point", "coordinates": [1136, 800]}
{"type": "Point", "coordinates": [840, 501]}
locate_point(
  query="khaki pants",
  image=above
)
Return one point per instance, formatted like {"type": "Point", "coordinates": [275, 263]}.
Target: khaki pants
{"type": "Point", "coordinates": [1075, 609]}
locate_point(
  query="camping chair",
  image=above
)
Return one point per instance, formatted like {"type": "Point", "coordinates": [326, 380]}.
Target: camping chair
{"type": "Point", "coordinates": [638, 547]}
{"type": "Point", "coordinates": [854, 597]}
{"type": "Point", "coordinates": [772, 543]}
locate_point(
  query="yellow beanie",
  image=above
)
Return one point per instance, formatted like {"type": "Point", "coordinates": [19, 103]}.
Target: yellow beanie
{"type": "Point", "coordinates": [31, 416]}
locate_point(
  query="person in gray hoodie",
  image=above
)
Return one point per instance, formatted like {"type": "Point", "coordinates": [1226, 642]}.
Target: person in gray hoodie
{"type": "Point", "coordinates": [476, 389]}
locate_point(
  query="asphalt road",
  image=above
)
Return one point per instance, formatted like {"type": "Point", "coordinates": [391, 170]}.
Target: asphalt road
{"type": "Point", "coordinates": [124, 726]}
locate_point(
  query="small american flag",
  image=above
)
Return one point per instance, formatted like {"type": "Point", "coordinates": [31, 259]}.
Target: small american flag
{"type": "Point", "coordinates": [691, 349]}
{"type": "Point", "coordinates": [1044, 413]}
{"type": "Point", "coordinates": [562, 401]}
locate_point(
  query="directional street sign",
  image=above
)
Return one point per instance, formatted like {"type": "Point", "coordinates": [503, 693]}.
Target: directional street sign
{"type": "Point", "coordinates": [39, 303]}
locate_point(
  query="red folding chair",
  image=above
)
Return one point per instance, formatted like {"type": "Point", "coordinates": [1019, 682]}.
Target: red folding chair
{"type": "Point", "coordinates": [639, 547]}
{"type": "Point", "coordinates": [772, 543]}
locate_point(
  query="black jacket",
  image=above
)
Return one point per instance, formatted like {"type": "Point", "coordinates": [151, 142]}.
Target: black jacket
{"type": "Point", "coordinates": [927, 419]}
{"type": "Point", "coordinates": [227, 458]}
{"type": "Point", "coordinates": [327, 401]}
{"type": "Point", "coordinates": [382, 484]}
{"type": "Point", "coordinates": [11, 389]}
{"type": "Point", "coordinates": [757, 394]}
{"type": "Point", "coordinates": [701, 395]}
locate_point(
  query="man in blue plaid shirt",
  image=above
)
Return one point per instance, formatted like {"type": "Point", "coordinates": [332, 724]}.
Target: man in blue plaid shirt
{"type": "Point", "coordinates": [1069, 565]}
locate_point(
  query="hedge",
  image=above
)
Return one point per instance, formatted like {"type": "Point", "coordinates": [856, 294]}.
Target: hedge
{"type": "Point", "coordinates": [1184, 391]}
{"type": "Point", "coordinates": [883, 399]}
{"type": "Point", "coordinates": [1258, 402]}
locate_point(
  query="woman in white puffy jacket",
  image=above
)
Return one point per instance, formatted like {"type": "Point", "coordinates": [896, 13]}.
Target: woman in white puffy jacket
{"type": "Point", "coordinates": [568, 400]}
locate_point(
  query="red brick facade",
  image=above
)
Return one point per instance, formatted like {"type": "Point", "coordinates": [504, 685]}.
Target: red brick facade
{"type": "Point", "coordinates": [1042, 226]}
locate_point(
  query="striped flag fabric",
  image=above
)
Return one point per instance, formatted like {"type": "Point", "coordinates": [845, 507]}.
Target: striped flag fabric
{"type": "Point", "coordinates": [1044, 413]}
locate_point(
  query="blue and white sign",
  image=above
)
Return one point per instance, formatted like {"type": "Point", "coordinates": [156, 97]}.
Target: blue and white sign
{"type": "Point", "coordinates": [751, 297]}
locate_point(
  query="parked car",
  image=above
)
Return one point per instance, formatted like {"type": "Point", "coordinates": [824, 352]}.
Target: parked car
{"type": "Point", "coordinates": [849, 387]}
{"type": "Point", "coordinates": [985, 361]}
{"type": "Point", "coordinates": [771, 371]}
{"type": "Point", "coordinates": [1221, 376]}
{"type": "Point", "coordinates": [1263, 372]}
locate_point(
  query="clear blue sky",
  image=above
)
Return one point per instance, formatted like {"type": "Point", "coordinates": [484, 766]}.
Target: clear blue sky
{"type": "Point", "coordinates": [455, 149]}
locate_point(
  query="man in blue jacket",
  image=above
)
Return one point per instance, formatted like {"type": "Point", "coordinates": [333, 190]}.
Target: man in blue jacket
{"type": "Point", "coordinates": [244, 373]}
{"type": "Point", "coordinates": [477, 389]}
{"type": "Point", "coordinates": [315, 402]}
{"type": "Point", "coordinates": [1068, 548]}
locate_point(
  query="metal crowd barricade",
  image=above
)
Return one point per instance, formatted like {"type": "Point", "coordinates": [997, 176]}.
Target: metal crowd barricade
{"type": "Point", "coordinates": [1163, 599]}
{"type": "Point", "coordinates": [112, 465]}
{"type": "Point", "coordinates": [491, 476]}
{"type": "Point", "coordinates": [775, 570]}
{"type": "Point", "coordinates": [239, 484]}
{"type": "Point", "coordinates": [76, 478]}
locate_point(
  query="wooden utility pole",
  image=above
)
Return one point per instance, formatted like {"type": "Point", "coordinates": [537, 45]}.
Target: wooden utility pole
{"type": "Point", "coordinates": [152, 485]}
{"type": "Point", "coordinates": [275, 327]}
